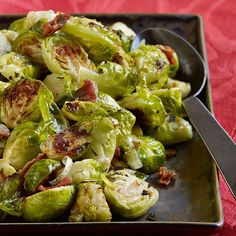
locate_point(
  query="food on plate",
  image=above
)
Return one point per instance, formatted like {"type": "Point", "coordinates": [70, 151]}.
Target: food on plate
{"type": "Point", "coordinates": [84, 120]}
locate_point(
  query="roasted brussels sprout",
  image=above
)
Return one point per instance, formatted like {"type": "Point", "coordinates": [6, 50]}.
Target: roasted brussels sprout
{"type": "Point", "coordinates": [173, 130]}
{"type": "Point", "coordinates": [10, 200]}
{"type": "Point", "coordinates": [90, 205]}
{"type": "Point", "coordinates": [100, 42]}
{"type": "Point", "coordinates": [15, 66]}
{"type": "Point", "coordinates": [23, 143]}
{"type": "Point", "coordinates": [85, 171]}
{"type": "Point", "coordinates": [185, 88]}
{"type": "Point", "coordinates": [127, 195]}
{"type": "Point", "coordinates": [152, 65]}
{"type": "Point", "coordinates": [29, 44]}
{"type": "Point", "coordinates": [151, 153]}
{"type": "Point", "coordinates": [48, 204]}
{"type": "Point", "coordinates": [64, 54]}
{"type": "Point", "coordinates": [148, 108]}
{"type": "Point", "coordinates": [172, 100]}
{"type": "Point", "coordinates": [61, 86]}
{"type": "Point", "coordinates": [38, 172]}
{"type": "Point", "coordinates": [72, 142]}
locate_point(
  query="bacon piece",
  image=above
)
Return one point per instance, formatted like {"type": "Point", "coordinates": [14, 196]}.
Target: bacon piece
{"type": "Point", "coordinates": [30, 163]}
{"type": "Point", "coordinates": [88, 92]}
{"type": "Point", "coordinates": [57, 23]}
{"type": "Point", "coordinates": [169, 52]}
{"type": "Point", "coordinates": [4, 132]}
{"type": "Point", "coordinates": [166, 175]}
{"type": "Point", "coordinates": [63, 182]}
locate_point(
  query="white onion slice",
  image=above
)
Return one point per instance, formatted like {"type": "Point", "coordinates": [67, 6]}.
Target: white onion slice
{"type": "Point", "coordinates": [67, 161]}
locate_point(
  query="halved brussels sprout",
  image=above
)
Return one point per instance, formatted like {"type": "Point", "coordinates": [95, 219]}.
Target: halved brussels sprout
{"type": "Point", "coordinates": [152, 65]}
{"type": "Point", "coordinates": [23, 143]}
{"type": "Point", "coordinates": [61, 86]}
{"type": "Point", "coordinates": [72, 142]}
{"type": "Point", "coordinates": [173, 130]}
{"type": "Point", "coordinates": [38, 172]}
{"type": "Point", "coordinates": [63, 54]}
{"type": "Point", "coordinates": [15, 66]}
{"type": "Point", "coordinates": [172, 100]}
{"type": "Point", "coordinates": [151, 153]}
{"type": "Point", "coordinates": [127, 195]}
{"type": "Point", "coordinates": [185, 88]}
{"type": "Point", "coordinates": [10, 200]}
{"type": "Point", "coordinates": [90, 205]}
{"type": "Point", "coordinates": [148, 108]}
{"type": "Point", "coordinates": [100, 42]}
{"type": "Point", "coordinates": [48, 204]}
{"type": "Point", "coordinates": [103, 146]}
{"type": "Point", "coordinates": [29, 44]}
{"type": "Point", "coordinates": [85, 171]}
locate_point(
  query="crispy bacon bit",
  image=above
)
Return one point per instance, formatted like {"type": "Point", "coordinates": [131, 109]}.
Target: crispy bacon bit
{"type": "Point", "coordinates": [65, 181]}
{"type": "Point", "coordinates": [30, 163]}
{"type": "Point", "coordinates": [4, 132]}
{"type": "Point", "coordinates": [88, 92]}
{"type": "Point", "coordinates": [169, 52]}
{"type": "Point", "coordinates": [170, 152]}
{"type": "Point", "coordinates": [166, 175]}
{"type": "Point", "coordinates": [57, 23]}
{"type": "Point", "coordinates": [117, 153]}
{"type": "Point", "coordinates": [117, 58]}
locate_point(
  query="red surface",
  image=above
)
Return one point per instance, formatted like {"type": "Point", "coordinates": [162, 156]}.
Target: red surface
{"type": "Point", "coordinates": [220, 24]}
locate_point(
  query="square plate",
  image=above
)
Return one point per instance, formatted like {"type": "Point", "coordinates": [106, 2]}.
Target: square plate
{"type": "Point", "coordinates": [193, 200]}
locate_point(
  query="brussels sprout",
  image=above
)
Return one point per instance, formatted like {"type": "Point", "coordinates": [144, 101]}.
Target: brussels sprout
{"type": "Point", "coordinates": [173, 130]}
{"type": "Point", "coordinates": [152, 65]}
{"type": "Point", "coordinates": [126, 34]}
{"type": "Point", "coordinates": [128, 195]}
{"type": "Point", "coordinates": [29, 44]}
{"type": "Point", "coordinates": [23, 143]}
{"type": "Point", "coordinates": [84, 171]}
{"type": "Point", "coordinates": [82, 110]}
{"type": "Point", "coordinates": [148, 108]}
{"type": "Point", "coordinates": [5, 168]}
{"type": "Point", "coordinates": [103, 146]}
{"type": "Point", "coordinates": [19, 25]}
{"type": "Point", "coordinates": [14, 66]}
{"type": "Point", "coordinates": [64, 89]}
{"type": "Point", "coordinates": [48, 204]}
{"type": "Point", "coordinates": [30, 100]}
{"type": "Point", "coordinates": [184, 87]}
{"type": "Point", "coordinates": [151, 153]}
{"type": "Point", "coordinates": [72, 142]}
{"type": "Point", "coordinates": [38, 172]}
{"type": "Point", "coordinates": [10, 200]}
{"type": "Point", "coordinates": [63, 54]}
{"type": "Point", "coordinates": [90, 204]}
{"type": "Point", "coordinates": [100, 42]}
{"type": "Point", "coordinates": [172, 100]}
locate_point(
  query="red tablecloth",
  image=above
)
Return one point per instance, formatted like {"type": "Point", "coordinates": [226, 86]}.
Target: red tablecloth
{"type": "Point", "coordinates": [220, 33]}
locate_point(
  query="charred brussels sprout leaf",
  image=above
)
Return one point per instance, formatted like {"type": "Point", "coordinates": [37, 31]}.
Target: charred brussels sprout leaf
{"type": "Point", "coordinates": [84, 171]}
{"type": "Point", "coordinates": [151, 153]}
{"type": "Point", "coordinates": [90, 204]}
{"type": "Point", "coordinates": [148, 108]}
{"type": "Point", "coordinates": [152, 65]}
{"type": "Point", "coordinates": [10, 200]}
{"type": "Point", "coordinates": [47, 205]}
{"type": "Point", "coordinates": [15, 66]}
{"type": "Point", "coordinates": [127, 195]}
{"type": "Point", "coordinates": [174, 130]}
{"type": "Point", "coordinates": [38, 172]}
{"type": "Point", "coordinates": [63, 54]}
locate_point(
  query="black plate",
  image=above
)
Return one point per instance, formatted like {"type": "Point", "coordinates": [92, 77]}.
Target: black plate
{"type": "Point", "coordinates": [193, 200]}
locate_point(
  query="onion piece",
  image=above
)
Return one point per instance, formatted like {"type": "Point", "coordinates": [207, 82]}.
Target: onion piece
{"type": "Point", "coordinates": [67, 161]}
